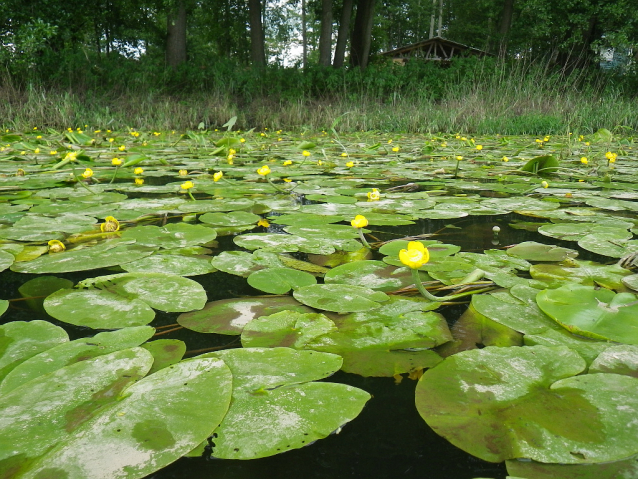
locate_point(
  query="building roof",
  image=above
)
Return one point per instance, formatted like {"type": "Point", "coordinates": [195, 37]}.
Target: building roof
{"type": "Point", "coordinates": [436, 48]}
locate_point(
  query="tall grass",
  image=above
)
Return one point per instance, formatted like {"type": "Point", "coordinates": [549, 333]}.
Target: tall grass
{"type": "Point", "coordinates": [472, 96]}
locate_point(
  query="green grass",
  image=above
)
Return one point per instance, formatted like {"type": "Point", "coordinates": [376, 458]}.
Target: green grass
{"type": "Point", "coordinates": [474, 97]}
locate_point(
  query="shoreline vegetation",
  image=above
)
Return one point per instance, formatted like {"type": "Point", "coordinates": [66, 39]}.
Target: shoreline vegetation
{"type": "Point", "coordinates": [474, 96]}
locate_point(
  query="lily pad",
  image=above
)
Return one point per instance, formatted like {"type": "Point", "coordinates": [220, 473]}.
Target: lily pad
{"type": "Point", "coordinates": [272, 398]}
{"type": "Point", "coordinates": [72, 352]}
{"type": "Point", "coordinates": [173, 235]}
{"type": "Point", "coordinates": [339, 298]}
{"type": "Point", "coordinates": [617, 359]}
{"type": "Point", "coordinates": [286, 329]}
{"type": "Point", "coordinates": [21, 340]}
{"type": "Point", "coordinates": [583, 272]}
{"type": "Point", "coordinates": [532, 251]}
{"type": "Point", "coordinates": [229, 316]}
{"type": "Point", "coordinates": [176, 264]}
{"type": "Point", "coordinates": [507, 403]}
{"type": "Point", "coordinates": [279, 280]}
{"type": "Point", "coordinates": [156, 421]}
{"type": "Point", "coordinates": [372, 274]}
{"type": "Point", "coordinates": [595, 313]}
{"type": "Point", "coordinates": [165, 352]}
{"type": "Point", "coordinates": [97, 309]}
{"type": "Point", "coordinates": [109, 253]}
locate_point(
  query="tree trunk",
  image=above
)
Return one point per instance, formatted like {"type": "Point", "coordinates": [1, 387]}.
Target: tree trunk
{"type": "Point", "coordinates": [342, 35]}
{"type": "Point", "coordinates": [176, 36]}
{"type": "Point", "coordinates": [257, 47]}
{"type": "Point", "coordinates": [361, 35]}
{"type": "Point", "coordinates": [506, 24]}
{"type": "Point", "coordinates": [304, 35]}
{"type": "Point", "coordinates": [325, 39]}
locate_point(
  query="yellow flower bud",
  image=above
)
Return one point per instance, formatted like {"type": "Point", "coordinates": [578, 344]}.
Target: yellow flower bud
{"type": "Point", "coordinates": [359, 221]}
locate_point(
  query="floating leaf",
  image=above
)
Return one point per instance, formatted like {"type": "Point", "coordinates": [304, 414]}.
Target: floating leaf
{"type": "Point", "coordinates": [72, 352]}
{"type": "Point", "coordinates": [110, 253]}
{"type": "Point", "coordinates": [40, 414]}
{"type": "Point", "coordinates": [97, 309]}
{"type": "Point", "coordinates": [339, 298]}
{"type": "Point", "coordinates": [596, 313]}
{"type": "Point", "coordinates": [532, 251]}
{"type": "Point", "coordinates": [21, 340]}
{"type": "Point", "coordinates": [229, 316]}
{"type": "Point", "coordinates": [583, 272]}
{"type": "Point", "coordinates": [620, 359]}
{"type": "Point", "coordinates": [506, 403]}
{"type": "Point", "coordinates": [279, 280]}
{"type": "Point", "coordinates": [272, 398]}
{"type": "Point", "coordinates": [173, 235]}
{"type": "Point", "coordinates": [286, 329]}
{"type": "Point", "coordinates": [176, 264]}
{"type": "Point", "coordinates": [158, 420]}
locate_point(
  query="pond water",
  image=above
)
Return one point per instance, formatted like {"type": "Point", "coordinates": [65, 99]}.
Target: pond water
{"type": "Point", "coordinates": [517, 226]}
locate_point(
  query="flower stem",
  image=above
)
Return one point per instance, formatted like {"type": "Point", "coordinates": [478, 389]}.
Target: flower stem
{"type": "Point", "coordinates": [114, 175]}
{"type": "Point", "coordinates": [275, 186]}
{"type": "Point", "coordinates": [191, 195]}
{"type": "Point", "coordinates": [363, 239]}
{"type": "Point", "coordinates": [476, 274]}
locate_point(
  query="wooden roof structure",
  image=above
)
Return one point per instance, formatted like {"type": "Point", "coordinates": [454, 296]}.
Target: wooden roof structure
{"type": "Point", "coordinates": [434, 49]}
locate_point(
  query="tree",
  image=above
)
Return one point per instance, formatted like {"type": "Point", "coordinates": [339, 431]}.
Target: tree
{"type": "Point", "coordinates": [343, 33]}
{"type": "Point", "coordinates": [176, 36]}
{"type": "Point", "coordinates": [361, 34]}
{"type": "Point", "coordinates": [325, 39]}
{"type": "Point", "coordinates": [257, 44]}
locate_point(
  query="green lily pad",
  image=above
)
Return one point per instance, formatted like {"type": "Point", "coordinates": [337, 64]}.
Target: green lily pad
{"type": "Point", "coordinates": [156, 421]}
{"type": "Point", "coordinates": [166, 352]}
{"type": "Point", "coordinates": [595, 313]}
{"type": "Point", "coordinates": [532, 251]}
{"type": "Point", "coordinates": [583, 272]}
{"type": "Point", "coordinates": [109, 253]}
{"type": "Point", "coordinates": [39, 414]}
{"type": "Point", "coordinates": [173, 235]}
{"type": "Point", "coordinates": [615, 245]}
{"type": "Point", "coordinates": [611, 470]}
{"type": "Point", "coordinates": [176, 264]}
{"type": "Point", "coordinates": [272, 398]}
{"type": "Point", "coordinates": [588, 348]}
{"type": "Point", "coordinates": [620, 359]}
{"type": "Point", "coordinates": [97, 309]}
{"type": "Point", "coordinates": [286, 329]}
{"type": "Point", "coordinates": [388, 363]}
{"type": "Point", "coordinates": [375, 275]}
{"type": "Point", "coordinates": [235, 218]}
{"type": "Point", "coordinates": [576, 231]}
{"type": "Point", "coordinates": [339, 298]}
{"type": "Point", "coordinates": [286, 243]}
{"type": "Point", "coordinates": [72, 352]}
{"type": "Point", "coordinates": [21, 340]}
{"type": "Point", "coordinates": [229, 316]}
{"type": "Point", "coordinates": [280, 280]}
{"type": "Point", "coordinates": [36, 289]}
{"type": "Point", "coordinates": [507, 403]}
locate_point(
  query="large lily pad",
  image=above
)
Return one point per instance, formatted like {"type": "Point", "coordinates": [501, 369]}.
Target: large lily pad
{"type": "Point", "coordinates": [285, 329]}
{"type": "Point", "coordinates": [272, 399]}
{"type": "Point", "coordinates": [371, 274]}
{"type": "Point", "coordinates": [21, 340]}
{"type": "Point", "coordinates": [156, 421]}
{"type": "Point", "coordinates": [39, 414]}
{"type": "Point", "coordinates": [230, 316]}
{"type": "Point", "coordinates": [339, 298]}
{"type": "Point", "coordinates": [506, 403]}
{"type": "Point", "coordinates": [532, 251]}
{"type": "Point", "coordinates": [109, 253]}
{"type": "Point", "coordinates": [174, 235]}
{"type": "Point", "coordinates": [71, 352]}
{"type": "Point", "coordinates": [596, 313]}
{"type": "Point", "coordinates": [279, 280]}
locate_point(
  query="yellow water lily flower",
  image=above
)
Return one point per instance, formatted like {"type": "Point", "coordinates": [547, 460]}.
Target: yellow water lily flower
{"type": "Point", "coordinates": [544, 184]}
{"type": "Point", "coordinates": [359, 221]}
{"type": "Point", "coordinates": [122, 147]}
{"type": "Point", "coordinates": [395, 149]}
{"type": "Point", "coordinates": [611, 156]}
{"type": "Point", "coordinates": [138, 171]}
{"type": "Point", "coordinates": [415, 256]}
{"type": "Point", "coordinates": [350, 164]}
{"type": "Point", "coordinates": [218, 175]}
{"type": "Point", "coordinates": [182, 172]}
{"type": "Point", "coordinates": [263, 171]}
{"type": "Point", "coordinates": [88, 173]}
{"type": "Point", "coordinates": [56, 246]}
{"type": "Point", "coordinates": [263, 222]}
{"type": "Point", "coordinates": [110, 225]}
{"type": "Point", "coordinates": [458, 158]}
{"type": "Point", "coordinates": [71, 156]}
{"type": "Point", "coordinates": [287, 162]}
{"type": "Point", "coordinates": [139, 181]}
{"type": "Point", "coordinates": [583, 160]}
{"type": "Point", "coordinates": [479, 147]}
{"type": "Point", "coordinates": [374, 195]}
{"type": "Point", "coordinates": [116, 162]}
{"type": "Point", "coordinates": [187, 185]}
{"type": "Point", "coordinates": [305, 153]}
